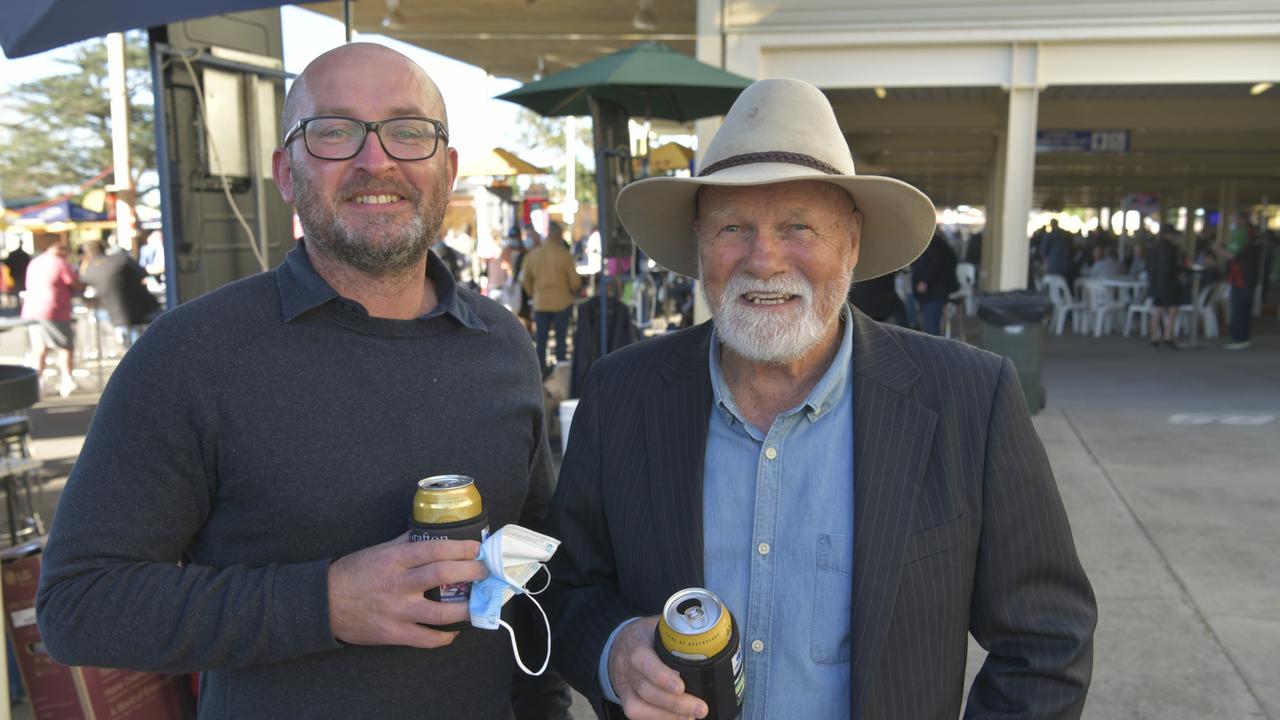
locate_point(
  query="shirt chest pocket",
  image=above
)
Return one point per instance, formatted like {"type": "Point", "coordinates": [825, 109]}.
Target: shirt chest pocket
{"type": "Point", "coordinates": [830, 633]}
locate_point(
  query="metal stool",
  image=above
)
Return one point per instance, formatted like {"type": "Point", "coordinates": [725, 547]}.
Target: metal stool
{"type": "Point", "coordinates": [18, 476]}
{"type": "Point", "coordinates": [19, 390]}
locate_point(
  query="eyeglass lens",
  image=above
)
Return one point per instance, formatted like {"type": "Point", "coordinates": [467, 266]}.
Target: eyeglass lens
{"type": "Point", "coordinates": [341, 138]}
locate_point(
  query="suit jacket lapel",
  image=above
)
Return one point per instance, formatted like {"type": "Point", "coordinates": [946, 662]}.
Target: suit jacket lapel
{"type": "Point", "coordinates": [675, 423]}
{"type": "Point", "coordinates": [892, 435]}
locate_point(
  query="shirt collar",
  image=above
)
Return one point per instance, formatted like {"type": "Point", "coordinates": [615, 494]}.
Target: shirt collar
{"type": "Point", "coordinates": [303, 289]}
{"type": "Point", "coordinates": [824, 396]}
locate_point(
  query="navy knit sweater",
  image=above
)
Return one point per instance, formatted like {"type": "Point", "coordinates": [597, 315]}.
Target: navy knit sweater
{"type": "Point", "coordinates": [251, 437]}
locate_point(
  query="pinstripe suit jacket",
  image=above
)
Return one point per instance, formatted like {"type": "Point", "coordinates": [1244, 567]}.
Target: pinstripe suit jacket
{"type": "Point", "coordinates": [959, 527]}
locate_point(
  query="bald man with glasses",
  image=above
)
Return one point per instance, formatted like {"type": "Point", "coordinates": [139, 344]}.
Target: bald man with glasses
{"type": "Point", "coordinates": [241, 504]}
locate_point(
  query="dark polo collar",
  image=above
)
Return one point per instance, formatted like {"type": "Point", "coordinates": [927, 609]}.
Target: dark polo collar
{"type": "Point", "coordinates": [303, 289]}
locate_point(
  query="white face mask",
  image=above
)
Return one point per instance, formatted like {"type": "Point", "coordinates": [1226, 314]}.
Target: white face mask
{"type": "Point", "coordinates": [513, 555]}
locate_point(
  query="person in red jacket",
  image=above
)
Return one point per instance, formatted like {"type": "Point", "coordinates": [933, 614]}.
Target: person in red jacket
{"type": "Point", "coordinates": [50, 283]}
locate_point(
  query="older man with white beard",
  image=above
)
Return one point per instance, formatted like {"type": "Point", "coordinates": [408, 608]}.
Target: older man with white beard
{"type": "Point", "coordinates": [861, 497]}
{"type": "Point", "coordinates": [241, 504]}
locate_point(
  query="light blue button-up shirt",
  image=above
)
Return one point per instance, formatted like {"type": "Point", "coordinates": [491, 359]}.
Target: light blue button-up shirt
{"type": "Point", "coordinates": [777, 515]}
{"type": "Point", "coordinates": [778, 543]}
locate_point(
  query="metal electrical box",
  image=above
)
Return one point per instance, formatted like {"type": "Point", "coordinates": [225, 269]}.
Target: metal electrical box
{"type": "Point", "coordinates": [219, 92]}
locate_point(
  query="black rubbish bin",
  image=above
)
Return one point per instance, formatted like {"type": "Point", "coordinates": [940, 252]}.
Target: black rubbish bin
{"type": "Point", "coordinates": [1013, 326]}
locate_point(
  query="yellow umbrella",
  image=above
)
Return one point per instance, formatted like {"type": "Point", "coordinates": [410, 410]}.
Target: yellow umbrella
{"type": "Point", "coordinates": [665, 158]}
{"type": "Point", "coordinates": [499, 162]}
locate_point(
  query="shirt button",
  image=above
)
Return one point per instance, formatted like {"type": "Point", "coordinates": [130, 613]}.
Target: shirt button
{"type": "Point", "coordinates": [763, 548]}
{"type": "Point", "coordinates": [757, 645]}
{"type": "Point", "coordinates": [770, 453]}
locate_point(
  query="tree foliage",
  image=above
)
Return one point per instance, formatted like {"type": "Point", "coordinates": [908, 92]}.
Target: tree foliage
{"type": "Point", "coordinates": [534, 133]}
{"type": "Point", "coordinates": [57, 131]}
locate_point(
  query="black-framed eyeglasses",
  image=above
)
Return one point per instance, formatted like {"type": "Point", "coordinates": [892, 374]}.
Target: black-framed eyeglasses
{"type": "Point", "coordinates": [337, 137]}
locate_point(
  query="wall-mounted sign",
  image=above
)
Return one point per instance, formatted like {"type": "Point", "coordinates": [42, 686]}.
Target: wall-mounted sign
{"type": "Point", "coordinates": [1082, 141]}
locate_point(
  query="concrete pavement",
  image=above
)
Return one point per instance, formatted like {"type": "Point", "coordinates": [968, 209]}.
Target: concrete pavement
{"type": "Point", "coordinates": [1169, 465]}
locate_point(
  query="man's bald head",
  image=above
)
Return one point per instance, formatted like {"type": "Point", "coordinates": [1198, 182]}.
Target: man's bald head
{"type": "Point", "coordinates": [367, 58]}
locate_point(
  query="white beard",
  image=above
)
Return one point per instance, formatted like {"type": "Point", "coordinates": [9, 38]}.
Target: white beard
{"type": "Point", "coordinates": [767, 336]}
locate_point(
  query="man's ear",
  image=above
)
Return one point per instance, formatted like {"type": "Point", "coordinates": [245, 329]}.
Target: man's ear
{"type": "Point", "coordinates": [452, 163]}
{"type": "Point", "coordinates": [283, 173]}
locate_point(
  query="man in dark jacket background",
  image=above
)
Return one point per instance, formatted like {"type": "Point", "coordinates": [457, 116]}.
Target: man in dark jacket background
{"type": "Point", "coordinates": [119, 284]}
{"type": "Point", "coordinates": [933, 277]}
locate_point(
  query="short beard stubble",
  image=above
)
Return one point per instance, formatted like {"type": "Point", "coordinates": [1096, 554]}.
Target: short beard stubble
{"type": "Point", "coordinates": [382, 247]}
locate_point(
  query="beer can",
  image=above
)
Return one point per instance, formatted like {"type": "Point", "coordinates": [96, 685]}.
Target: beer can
{"type": "Point", "coordinates": [697, 637]}
{"type": "Point", "coordinates": [448, 507]}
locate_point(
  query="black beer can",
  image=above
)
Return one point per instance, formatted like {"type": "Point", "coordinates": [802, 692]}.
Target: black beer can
{"type": "Point", "coordinates": [448, 507]}
{"type": "Point", "coordinates": [698, 638]}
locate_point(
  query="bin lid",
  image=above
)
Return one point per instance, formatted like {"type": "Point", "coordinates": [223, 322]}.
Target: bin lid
{"type": "Point", "coordinates": [1013, 307]}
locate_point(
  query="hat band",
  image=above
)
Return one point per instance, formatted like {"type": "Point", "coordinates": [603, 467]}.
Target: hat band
{"type": "Point", "coordinates": [773, 156]}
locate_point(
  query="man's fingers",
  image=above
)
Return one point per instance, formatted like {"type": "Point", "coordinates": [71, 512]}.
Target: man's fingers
{"type": "Point", "coordinates": [431, 612]}
{"type": "Point", "coordinates": [445, 572]}
{"type": "Point", "coordinates": [411, 554]}
{"type": "Point", "coordinates": [425, 637]}
{"type": "Point", "coordinates": [645, 663]}
{"type": "Point", "coordinates": [648, 688]}
{"type": "Point", "coordinates": [662, 687]}
{"type": "Point", "coordinates": [677, 705]}
{"type": "Point", "coordinates": [636, 705]}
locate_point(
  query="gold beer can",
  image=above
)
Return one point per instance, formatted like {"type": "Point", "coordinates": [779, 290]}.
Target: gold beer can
{"type": "Point", "coordinates": [448, 507]}
{"type": "Point", "coordinates": [694, 624]}
{"type": "Point", "coordinates": [444, 500]}
{"type": "Point", "coordinates": [698, 638]}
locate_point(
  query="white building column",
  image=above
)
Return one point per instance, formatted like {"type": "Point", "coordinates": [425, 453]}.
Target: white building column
{"type": "Point", "coordinates": [1016, 173]}
{"type": "Point", "coordinates": [123, 183]}
{"type": "Point", "coordinates": [709, 48]}
{"type": "Point", "coordinates": [993, 235]}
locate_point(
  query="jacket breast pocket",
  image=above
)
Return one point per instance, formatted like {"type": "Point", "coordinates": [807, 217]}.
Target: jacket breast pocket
{"type": "Point", "coordinates": [830, 633]}
{"type": "Point", "coordinates": [932, 541]}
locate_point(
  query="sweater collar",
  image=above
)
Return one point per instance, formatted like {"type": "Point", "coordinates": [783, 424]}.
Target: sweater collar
{"type": "Point", "coordinates": [303, 289]}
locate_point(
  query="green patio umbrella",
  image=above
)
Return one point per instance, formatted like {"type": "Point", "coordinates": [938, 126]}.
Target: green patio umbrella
{"type": "Point", "coordinates": [649, 80]}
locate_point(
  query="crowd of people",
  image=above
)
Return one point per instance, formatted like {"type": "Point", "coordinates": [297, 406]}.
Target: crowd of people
{"type": "Point", "coordinates": [539, 280]}
{"type": "Point", "coordinates": [1242, 256]}
{"type": "Point", "coordinates": [112, 283]}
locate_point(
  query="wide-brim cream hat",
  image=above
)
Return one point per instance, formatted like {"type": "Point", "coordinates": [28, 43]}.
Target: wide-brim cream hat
{"type": "Point", "coordinates": [779, 131]}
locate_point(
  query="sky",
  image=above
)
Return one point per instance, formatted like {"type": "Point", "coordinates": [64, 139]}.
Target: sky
{"type": "Point", "coordinates": [478, 122]}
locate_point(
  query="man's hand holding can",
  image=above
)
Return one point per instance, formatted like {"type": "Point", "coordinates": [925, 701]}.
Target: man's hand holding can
{"type": "Point", "coordinates": [376, 594]}
{"type": "Point", "coordinates": [648, 689]}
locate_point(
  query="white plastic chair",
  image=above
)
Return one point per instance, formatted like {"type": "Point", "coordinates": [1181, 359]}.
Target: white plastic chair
{"type": "Point", "coordinates": [1063, 304]}
{"type": "Point", "coordinates": [1103, 306]}
{"type": "Point", "coordinates": [1203, 310]}
{"type": "Point", "coordinates": [1143, 310]}
{"type": "Point", "coordinates": [967, 276]}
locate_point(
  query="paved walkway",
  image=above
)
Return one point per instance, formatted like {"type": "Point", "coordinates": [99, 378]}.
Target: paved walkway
{"type": "Point", "coordinates": [1169, 464]}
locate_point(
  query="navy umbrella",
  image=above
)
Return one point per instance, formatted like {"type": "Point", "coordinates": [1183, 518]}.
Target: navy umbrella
{"type": "Point", "coordinates": [37, 25]}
